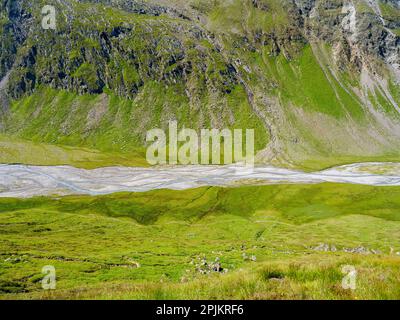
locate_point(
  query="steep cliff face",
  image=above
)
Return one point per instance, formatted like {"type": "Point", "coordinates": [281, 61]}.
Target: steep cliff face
{"type": "Point", "coordinates": [318, 79]}
{"type": "Point", "coordinates": [106, 48]}
{"type": "Point", "coordinates": [13, 32]}
{"type": "Point", "coordinates": [362, 29]}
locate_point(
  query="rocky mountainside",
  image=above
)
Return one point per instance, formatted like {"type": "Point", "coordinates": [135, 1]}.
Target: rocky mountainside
{"type": "Point", "coordinates": [319, 80]}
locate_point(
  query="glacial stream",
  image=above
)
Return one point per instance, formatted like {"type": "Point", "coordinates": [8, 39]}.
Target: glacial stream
{"type": "Point", "coordinates": [27, 181]}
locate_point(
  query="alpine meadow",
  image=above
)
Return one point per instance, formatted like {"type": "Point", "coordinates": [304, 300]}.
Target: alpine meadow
{"type": "Point", "coordinates": [279, 181]}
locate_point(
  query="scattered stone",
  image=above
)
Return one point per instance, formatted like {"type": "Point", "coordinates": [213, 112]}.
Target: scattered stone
{"type": "Point", "coordinates": [205, 267]}
{"type": "Point", "coordinates": [325, 248]}
{"type": "Point", "coordinates": [359, 250]}
{"type": "Point", "coordinates": [249, 258]}
{"type": "Point", "coordinates": [15, 259]}
{"type": "Point", "coordinates": [133, 264]}
{"type": "Point", "coordinates": [322, 247]}
{"type": "Point", "coordinates": [247, 69]}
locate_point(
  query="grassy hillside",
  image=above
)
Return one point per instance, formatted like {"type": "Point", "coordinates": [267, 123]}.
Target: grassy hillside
{"type": "Point", "coordinates": [14, 150]}
{"type": "Point", "coordinates": [314, 90]}
{"type": "Point", "coordinates": [151, 245]}
{"type": "Point", "coordinates": [109, 123]}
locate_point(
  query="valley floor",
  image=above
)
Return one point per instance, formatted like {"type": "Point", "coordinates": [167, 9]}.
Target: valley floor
{"type": "Point", "coordinates": [266, 242]}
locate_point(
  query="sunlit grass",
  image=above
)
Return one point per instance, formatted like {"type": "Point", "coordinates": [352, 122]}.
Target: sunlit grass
{"type": "Point", "coordinates": [97, 243]}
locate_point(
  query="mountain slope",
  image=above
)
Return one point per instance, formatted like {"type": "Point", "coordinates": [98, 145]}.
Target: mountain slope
{"type": "Point", "coordinates": [317, 79]}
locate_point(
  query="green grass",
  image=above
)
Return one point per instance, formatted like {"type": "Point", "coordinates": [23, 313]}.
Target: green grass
{"type": "Point", "coordinates": [389, 12]}
{"type": "Point", "coordinates": [112, 124]}
{"type": "Point", "coordinates": [95, 243]}
{"type": "Point", "coordinates": [397, 31]}
{"type": "Point", "coordinates": [243, 18]}
{"type": "Point", "coordinates": [304, 83]}
{"type": "Point", "coordinates": [321, 162]}
{"type": "Point", "coordinates": [16, 150]}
